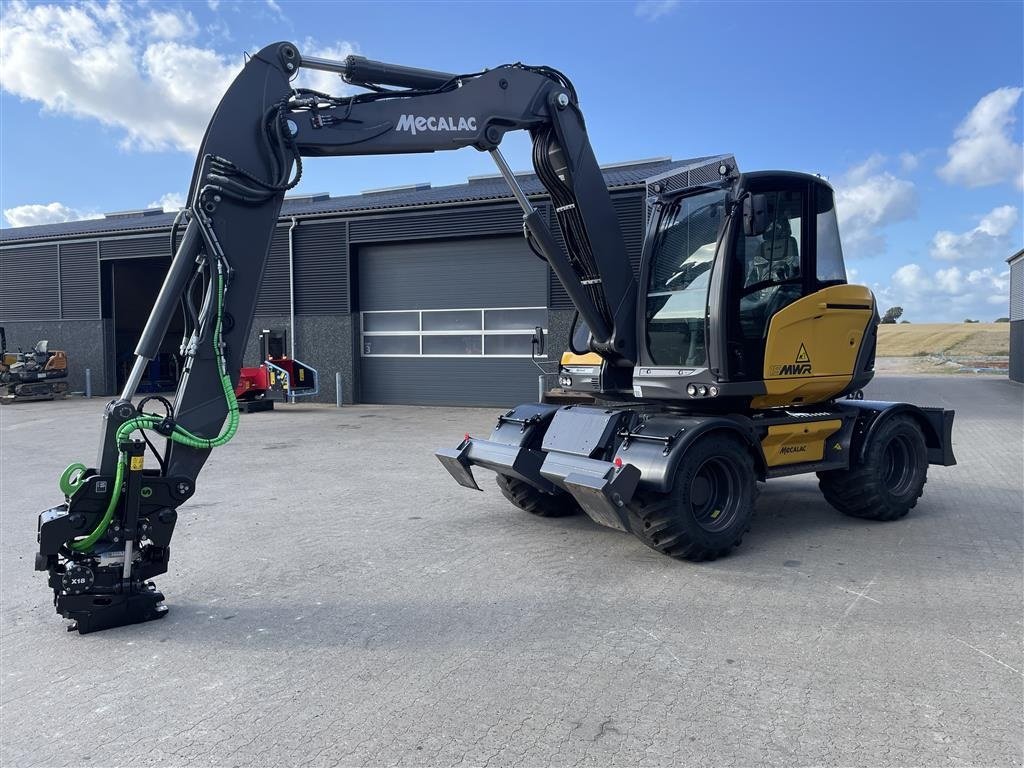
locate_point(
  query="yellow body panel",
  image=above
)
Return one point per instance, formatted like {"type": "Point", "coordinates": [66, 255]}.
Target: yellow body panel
{"type": "Point", "coordinates": [812, 346]}
{"type": "Point", "coordinates": [571, 358]}
{"type": "Point", "coordinates": [799, 442]}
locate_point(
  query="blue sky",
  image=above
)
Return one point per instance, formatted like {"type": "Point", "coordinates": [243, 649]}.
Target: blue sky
{"type": "Point", "coordinates": [912, 110]}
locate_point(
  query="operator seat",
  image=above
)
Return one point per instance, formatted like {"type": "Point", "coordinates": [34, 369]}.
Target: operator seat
{"type": "Point", "coordinates": [778, 262]}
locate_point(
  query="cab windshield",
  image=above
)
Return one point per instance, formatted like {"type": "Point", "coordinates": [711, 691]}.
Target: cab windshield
{"type": "Point", "coordinates": [679, 277]}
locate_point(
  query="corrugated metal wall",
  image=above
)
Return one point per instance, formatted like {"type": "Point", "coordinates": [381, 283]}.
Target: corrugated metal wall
{"type": "Point", "coordinates": [505, 218]}
{"type": "Point", "coordinates": [28, 283]}
{"type": "Point", "coordinates": [79, 281]}
{"type": "Point", "coordinates": [136, 247]}
{"type": "Point", "coordinates": [321, 268]}
{"type": "Point", "coordinates": [1017, 290]}
{"type": "Point", "coordinates": [274, 289]}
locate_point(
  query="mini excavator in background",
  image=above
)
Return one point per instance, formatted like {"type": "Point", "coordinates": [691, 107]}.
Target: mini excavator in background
{"type": "Point", "coordinates": [731, 358]}
{"type": "Point", "coordinates": [36, 375]}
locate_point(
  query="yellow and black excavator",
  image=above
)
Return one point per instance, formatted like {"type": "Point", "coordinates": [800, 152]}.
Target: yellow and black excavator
{"type": "Point", "coordinates": [736, 355]}
{"type": "Point", "coordinates": [35, 375]}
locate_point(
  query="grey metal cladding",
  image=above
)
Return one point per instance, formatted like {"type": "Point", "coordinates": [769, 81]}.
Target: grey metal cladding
{"type": "Point", "coordinates": [483, 220]}
{"type": "Point", "coordinates": [321, 268]}
{"type": "Point", "coordinates": [501, 382]}
{"type": "Point", "coordinates": [274, 296]}
{"type": "Point", "coordinates": [1017, 290]}
{"type": "Point", "coordinates": [29, 284]}
{"type": "Point", "coordinates": [629, 207]}
{"type": "Point", "coordinates": [135, 247]}
{"type": "Point", "coordinates": [79, 281]}
{"type": "Point", "coordinates": [477, 272]}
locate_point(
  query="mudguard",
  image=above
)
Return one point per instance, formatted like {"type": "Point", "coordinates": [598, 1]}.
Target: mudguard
{"type": "Point", "coordinates": [936, 423]}
{"type": "Point", "coordinates": [658, 444]}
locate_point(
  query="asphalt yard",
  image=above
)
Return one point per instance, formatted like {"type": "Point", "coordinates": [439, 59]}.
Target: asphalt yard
{"type": "Point", "coordinates": [336, 599]}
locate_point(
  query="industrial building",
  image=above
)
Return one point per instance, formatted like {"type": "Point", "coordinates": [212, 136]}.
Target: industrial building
{"type": "Point", "coordinates": [1016, 263]}
{"type": "Point", "coordinates": [415, 295]}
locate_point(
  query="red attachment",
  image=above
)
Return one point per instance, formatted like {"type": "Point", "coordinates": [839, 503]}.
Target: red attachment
{"type": "Point", "coordinates": [252, 382]}
{"type": "Point", "coordinates": [618, 462]}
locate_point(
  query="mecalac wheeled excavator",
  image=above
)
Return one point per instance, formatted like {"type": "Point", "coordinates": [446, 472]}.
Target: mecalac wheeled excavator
{"type": "Point", "coordinates": [726, 363]}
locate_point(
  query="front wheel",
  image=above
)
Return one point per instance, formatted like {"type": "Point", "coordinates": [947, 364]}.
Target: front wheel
{"type": "Point", "coordinates": [888, 482]}
{"type": "Point", "coordinates": [536, 502]}
{"type": "Point", "coordinates": [709, 507]}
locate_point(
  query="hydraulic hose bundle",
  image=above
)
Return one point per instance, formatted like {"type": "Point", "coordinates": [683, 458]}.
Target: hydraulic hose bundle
{"type": "Point", "coordinates": [546, 152]}
{"type": "Point", "coordinates": [71, 482]}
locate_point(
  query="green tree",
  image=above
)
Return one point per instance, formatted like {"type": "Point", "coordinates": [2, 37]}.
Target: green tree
{"type": "Point", "coordinates": [892, 314]}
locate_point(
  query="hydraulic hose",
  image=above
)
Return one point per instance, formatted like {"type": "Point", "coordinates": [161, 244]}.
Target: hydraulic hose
{"type": "Point", "coordinates": [180, 435]}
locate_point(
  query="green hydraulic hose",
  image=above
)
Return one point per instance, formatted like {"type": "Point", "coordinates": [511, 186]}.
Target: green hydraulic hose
{"type": "Point", "coordinates": [180, 435]}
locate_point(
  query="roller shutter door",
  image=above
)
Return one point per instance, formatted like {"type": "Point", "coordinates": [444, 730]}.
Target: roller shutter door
{"type": "Point", "coordinates": [449, 322]}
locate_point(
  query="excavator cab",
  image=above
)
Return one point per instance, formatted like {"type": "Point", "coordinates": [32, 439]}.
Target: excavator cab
{"type": "Point", "coordinates": [746, 304]}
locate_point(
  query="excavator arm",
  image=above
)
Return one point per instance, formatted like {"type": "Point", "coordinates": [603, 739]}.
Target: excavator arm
{"type": "Point", "coordinates": [112, 535]}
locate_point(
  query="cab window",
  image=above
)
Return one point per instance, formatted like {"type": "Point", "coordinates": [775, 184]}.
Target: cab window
{"type": "Point", "coordinates": [771, 278]}
{"type": "Point", "coordinates": [829, 252]}
{"type": "Point", "coordinates": [680, 274]}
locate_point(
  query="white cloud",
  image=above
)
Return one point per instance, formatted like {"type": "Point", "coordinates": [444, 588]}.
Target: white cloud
{"type": "Point", "coordinates": [167, 25]}
{"type": "Point", "coordinates": [651, 10]}
{"type": "Point", "coordinates": [946, 295]}
{"type": "Point", "coordinates": [213, 4]}
{"type": "Point", "coordinates": [128, 67]}
{"type": "Point", "coordinates": [114, 64]}
{"type": "Point", "coordinates": [172, 202]}
{"type": "Point", "coordinates": [989, 239]}
{"type": "Point", "coordinates": [909, 161]}
{"type": "Point", "coordinates": [273, 6]}
{"type": "Point", "coordinates": [984, 152]}
{"type": "Point", "coordinates": [869, 198]}
{"type": "Point", "coordinates": [51, 213]}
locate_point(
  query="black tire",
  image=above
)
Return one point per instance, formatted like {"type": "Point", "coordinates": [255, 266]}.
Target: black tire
{"type": "Point", "coordinates": [890, 480]}
{"type": "Point", "coordinates": [709, 507]}
{"type": "Point", "coordinates": [538, 503]}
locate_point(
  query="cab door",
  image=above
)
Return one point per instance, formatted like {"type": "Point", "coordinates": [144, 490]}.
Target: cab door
{"type": "Point", "coordinates": [767, 272]}
{"type": "Point", "coordinates": [798, 326]}
{"type": "Point", "coordinates": [814, 345]}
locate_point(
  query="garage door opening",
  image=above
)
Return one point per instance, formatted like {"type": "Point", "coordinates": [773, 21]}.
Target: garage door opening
{"type": "Point", "coordinates": [130, 290]}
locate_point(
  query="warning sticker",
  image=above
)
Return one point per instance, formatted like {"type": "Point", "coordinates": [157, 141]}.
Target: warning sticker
{"type": "Point", "coordinates": [802, 356]}
{"type": "Point", "coordinates": [136, 463]}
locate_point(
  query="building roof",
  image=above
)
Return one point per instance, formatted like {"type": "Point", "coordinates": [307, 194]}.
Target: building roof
{"type": "Point", "coordinates": [1016, 257]}
{"type": "Point", "coordinates": [476, 189]}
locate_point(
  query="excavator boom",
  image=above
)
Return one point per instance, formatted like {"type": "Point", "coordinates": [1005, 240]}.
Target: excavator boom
{"type": "Point", "coordinates": [112, 534]}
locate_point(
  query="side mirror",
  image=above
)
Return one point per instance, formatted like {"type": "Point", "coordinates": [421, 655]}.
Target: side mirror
{"type": "Point", "coordinates": [755, 215]}
{"type": "Point", "coordinates": [538, 342]}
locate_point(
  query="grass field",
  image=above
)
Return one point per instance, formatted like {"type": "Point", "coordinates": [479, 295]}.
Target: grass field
{"type": "Point", "coordinates": [947, 339]}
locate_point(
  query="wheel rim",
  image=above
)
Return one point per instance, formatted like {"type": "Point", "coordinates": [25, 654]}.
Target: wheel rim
{"type": "Point", "coordinates": [714, 494]}
{"type": "Point", "coordinates": [898, 465]}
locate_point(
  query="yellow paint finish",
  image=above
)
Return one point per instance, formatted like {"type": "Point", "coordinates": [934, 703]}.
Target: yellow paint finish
{"type": "Point", "coordinates": [811, 349]}
{"type": "Point", "coordinates": [571, 358]}
{"type": "Point", "coordinates": [798, 442]}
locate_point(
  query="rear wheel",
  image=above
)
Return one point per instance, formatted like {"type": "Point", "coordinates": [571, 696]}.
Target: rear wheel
{"type": "Point", "coordinates": [709, 507]}
{"type": "Point", "coordinates": [888, 482]}
{"type": "Point", "coordinates": [536, 502]}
